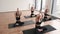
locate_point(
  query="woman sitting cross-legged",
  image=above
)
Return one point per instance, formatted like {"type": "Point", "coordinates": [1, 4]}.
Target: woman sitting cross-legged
{"type": "Point", "coordinates": [46, 17]}
{"type": "Point", "coordinates": [18, 17]}
{"type": "Point", "coordinates": [39, 20]}
{"type": "Point", "coordinates": [32, 11]}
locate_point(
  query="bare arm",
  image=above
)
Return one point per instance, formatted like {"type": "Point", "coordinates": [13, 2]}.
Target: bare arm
{"type": "Point", "coordinates": [37, 18]}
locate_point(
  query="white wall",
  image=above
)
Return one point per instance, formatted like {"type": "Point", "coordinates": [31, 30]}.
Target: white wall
{"type": "Point", "coordinates": [11, 5]}
{"type": "Point", "coordinates": [45, 4]}
{"type": "Point", "coordinates": [49, 5]}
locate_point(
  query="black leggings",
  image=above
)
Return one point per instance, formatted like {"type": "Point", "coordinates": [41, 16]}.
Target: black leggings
{"type": "Point", "coordinates": [32, 12]}
{"type": "Point", "coordinates": [37, 25]}
{"type": "Point", "coordinates": [17, 18]}
{"type": "Point", "coordinates": [36, 29]}
{"type": "Point", "coordinates": [46, 19]}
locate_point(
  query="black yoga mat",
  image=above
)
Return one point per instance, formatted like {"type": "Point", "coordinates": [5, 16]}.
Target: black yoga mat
{"type": "Point", "coordinates": [32, 31]}
{"type": "Point", "coordinates": [30, 16]}
{"type": "Point", "coordinates": [25, 23]}
{"type": "Point", "coordinates": [52, 17]}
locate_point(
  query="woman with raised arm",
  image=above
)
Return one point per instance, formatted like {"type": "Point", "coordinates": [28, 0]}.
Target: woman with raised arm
{"type": "Point", "coordinates": [39, 20]}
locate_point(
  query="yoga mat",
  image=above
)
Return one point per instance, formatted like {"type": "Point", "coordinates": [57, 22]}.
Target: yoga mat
{"type": "Point", "coordinates": [32, 31]}
{"type": "Point", "coordinates": [30, 16]}
{"type": "Point", "coordinates": [25, 23]}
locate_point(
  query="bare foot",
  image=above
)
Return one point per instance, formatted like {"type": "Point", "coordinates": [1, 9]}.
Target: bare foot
{"type": "Point", "coordinates": [40, 30]}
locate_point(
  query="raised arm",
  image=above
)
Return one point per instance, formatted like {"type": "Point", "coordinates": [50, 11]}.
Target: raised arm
{"type": "Point", "coordinates": [37, 18]}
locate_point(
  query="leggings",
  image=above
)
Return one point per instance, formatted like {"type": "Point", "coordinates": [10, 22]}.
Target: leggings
{"type": "Point", "coordinates": [17, 18]}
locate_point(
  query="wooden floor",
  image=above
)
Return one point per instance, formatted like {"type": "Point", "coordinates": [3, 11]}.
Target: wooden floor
{"type": "Point", "coordinates": [9, 17]}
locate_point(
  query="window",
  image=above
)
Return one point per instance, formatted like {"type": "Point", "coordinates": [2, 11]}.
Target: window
{"type": "Point", "coordinates": [56, 8]}
{"type": "Point", "coordinates": [40, 4]}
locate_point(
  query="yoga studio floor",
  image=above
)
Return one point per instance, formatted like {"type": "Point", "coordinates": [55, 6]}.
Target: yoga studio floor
{"type": "Point", "coordinates": [7, 18]}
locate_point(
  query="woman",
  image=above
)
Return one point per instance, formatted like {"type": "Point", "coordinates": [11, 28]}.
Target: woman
{"type": "Point", "coordinates": [32, 10]}
{"type": "Point", "coordinates": [46, 17]}
{"type": "Point", "coordinates": [39, 20]}
{"type": "Point", "coordinates": [18, 15]}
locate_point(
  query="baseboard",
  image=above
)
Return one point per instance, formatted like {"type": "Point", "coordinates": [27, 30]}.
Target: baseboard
{"type": "Point", "coordinates": [13, 11]}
